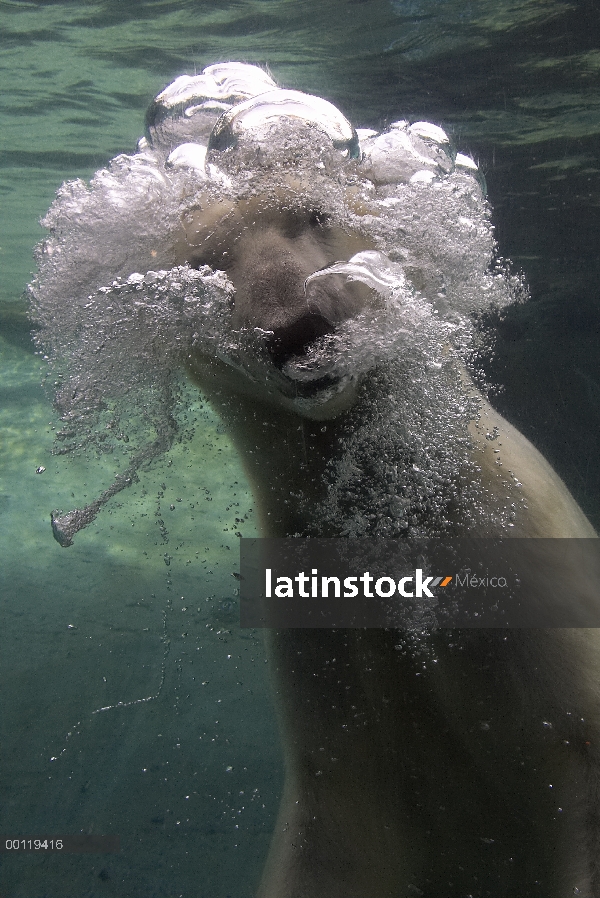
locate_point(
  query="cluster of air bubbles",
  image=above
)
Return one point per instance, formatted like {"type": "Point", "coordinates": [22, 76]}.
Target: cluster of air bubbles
{"type": "Point", "coordinates": [406, 441]}
{"type": "Point", "coordinates": [192, 103]}
{"type": "Point", "coordinates": [124, 296]}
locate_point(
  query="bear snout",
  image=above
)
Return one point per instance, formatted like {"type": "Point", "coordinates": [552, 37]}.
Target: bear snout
{"type": "Point", "coordinates": [269, 273]}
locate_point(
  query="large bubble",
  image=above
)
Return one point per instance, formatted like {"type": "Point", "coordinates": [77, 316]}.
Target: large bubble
{"type": "Point", "coordinates": [133, 282]}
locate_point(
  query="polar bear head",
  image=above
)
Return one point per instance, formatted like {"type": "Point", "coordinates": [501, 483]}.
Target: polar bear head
{"type": "Point", "coordinates": [260, 240]}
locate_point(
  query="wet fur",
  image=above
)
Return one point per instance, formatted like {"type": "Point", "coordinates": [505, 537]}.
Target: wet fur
{"type": "Point", "coordinates": [452, 764]}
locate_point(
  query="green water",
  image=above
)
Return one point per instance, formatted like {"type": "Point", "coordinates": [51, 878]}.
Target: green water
{"type": "Point", "coordinates": [131, 702]}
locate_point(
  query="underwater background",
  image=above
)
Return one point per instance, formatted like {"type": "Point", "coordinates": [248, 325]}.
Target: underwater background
{"type": "Point", "coordinates": [130, 701]}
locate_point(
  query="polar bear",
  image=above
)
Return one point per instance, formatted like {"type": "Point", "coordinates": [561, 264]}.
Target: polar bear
{"type": "Point", "coordinates": [459, 763]}
{"type": "Point", "coordinates": [319, 283]}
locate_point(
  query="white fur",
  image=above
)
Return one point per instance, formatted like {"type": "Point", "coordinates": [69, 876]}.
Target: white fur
{"type": "Point", "coordinates": [454, 763]}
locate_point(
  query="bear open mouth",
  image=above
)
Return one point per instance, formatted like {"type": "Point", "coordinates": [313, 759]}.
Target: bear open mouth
{"type": "Point", "coordinates": [296, 338]}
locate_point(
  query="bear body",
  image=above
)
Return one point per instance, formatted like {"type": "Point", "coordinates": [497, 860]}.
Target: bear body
{"type": "Point", "coordinates": [461, 762]}
{"type": "Point", "coordinates": [318, 284]}
{"type": "Point", "coordinates": [452, 763]}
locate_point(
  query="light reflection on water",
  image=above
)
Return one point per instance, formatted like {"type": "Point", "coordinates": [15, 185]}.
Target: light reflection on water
{"type": "Point", "coordinates": [98, 624]}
